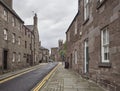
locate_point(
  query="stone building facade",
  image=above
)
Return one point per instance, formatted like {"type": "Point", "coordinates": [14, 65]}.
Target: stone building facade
{"type": "Point", "coordinates": [45, 55]}
{"type": "Point", "coordinates": [93, 42]}
{"type": "Point", "coordinates": [18, 43]}
{"type": "Point", "coordinates": [54, 54]}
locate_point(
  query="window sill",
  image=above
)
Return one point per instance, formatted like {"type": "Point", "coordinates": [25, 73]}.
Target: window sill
{"type": "Point", "coordinates": [99, 4]}
{"type": "Point", "coordinates": [86, 21]}
{"type": "Point", "coordinates": [105, 65]}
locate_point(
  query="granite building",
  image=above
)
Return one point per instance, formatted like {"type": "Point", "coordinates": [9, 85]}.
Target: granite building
{"type": "Point", "coordinates": [19, 44]}
{"type": "Point", "coordinates": [45, 55]}
{"type": "Point", "coordinates": [93, 42]}
{"type": "Point", "coordinates": [54, 54]}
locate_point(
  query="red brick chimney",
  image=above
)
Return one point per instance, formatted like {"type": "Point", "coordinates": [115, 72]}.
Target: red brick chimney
{"type": "Point", "coordinates": [9, 3]}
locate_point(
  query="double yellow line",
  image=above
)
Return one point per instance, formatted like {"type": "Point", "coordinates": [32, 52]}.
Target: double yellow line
{"type": "Point", "coordinates": [17, 75]}
{"type": "Point", "coordinates": [40, 85]}
{"type": "Point", "coordinates": [14, 76]}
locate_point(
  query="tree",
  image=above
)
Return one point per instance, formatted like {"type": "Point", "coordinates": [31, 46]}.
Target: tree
{"type": "Point", "coordinates": [62, 52]}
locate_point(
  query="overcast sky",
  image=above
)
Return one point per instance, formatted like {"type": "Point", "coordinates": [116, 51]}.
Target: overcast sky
{"type": "Point", "coordinates": [54, 17]}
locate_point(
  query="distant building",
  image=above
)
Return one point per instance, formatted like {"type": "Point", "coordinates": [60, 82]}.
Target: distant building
{"type": "Point", "coordinates": [19, 44]}
{"type": "Point", "coordinates": [45, 55]}
{"type": "Point", "coordinates": [54, 54]}
{"type": "Point", "coordinates": [93, 42]}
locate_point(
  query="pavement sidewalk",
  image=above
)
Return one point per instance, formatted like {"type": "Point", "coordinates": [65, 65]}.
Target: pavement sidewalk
{"type": "Point", "coordinates": [68, 80]}
{"type": "Point", "coordinates": [12, 73]}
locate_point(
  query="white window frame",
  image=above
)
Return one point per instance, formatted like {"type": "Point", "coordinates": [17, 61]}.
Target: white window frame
{"type": "Point", "coordinates": [105, 45]}
{"type": "Point", "coordinates": [5, 34]}
{"type": "Point", "coordinates": [76, 27]}
{"type": "Point", "coordinates": [86, 9]}
{"type": "Point", "coordinates": [85, 58]}
{"type": "Point", "coordinates": [5, 12]}
{"type": "Point", "coordinates": [76, 57]}
{"type": "Point", "coordinates": [13, 38]}
{"type": "Point", "coordinates": [13, 57]}
{"type": "Point", "coordinates": [19, 40]}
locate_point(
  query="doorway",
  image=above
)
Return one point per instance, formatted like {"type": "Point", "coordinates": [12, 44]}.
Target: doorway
{"type": "Point", "coordinates": [5, 55]}
{"type": "Point", "coordinates": [86, 56]}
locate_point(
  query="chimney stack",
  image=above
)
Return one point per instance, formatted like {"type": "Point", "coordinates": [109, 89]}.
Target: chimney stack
{"type": "Point", "coordinates": [35, 20]}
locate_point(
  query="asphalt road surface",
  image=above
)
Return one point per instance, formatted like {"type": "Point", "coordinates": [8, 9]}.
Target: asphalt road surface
{"type": "Point", "coordinates": [28, 81]}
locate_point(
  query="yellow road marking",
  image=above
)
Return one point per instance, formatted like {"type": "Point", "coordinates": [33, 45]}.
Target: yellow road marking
{"type": "Point", "coordinates": [40, 85]}
{"type": "Point", "coordinates": [14, 76]}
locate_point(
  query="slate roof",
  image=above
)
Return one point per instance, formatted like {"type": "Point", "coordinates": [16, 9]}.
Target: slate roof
{"type": "Point", "coordinates": [31, 27]}
{"type": "Point", "coordinates": [43, 48]}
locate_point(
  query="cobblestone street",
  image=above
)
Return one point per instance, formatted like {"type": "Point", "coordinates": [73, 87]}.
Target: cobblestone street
{"type": "Point", "coordinates": [67, 80]}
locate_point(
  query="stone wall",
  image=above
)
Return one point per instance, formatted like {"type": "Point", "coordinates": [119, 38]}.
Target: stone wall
{"type": "Point", "coordinates": [101, 15]}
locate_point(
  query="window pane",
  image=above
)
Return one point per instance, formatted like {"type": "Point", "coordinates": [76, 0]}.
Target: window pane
{"type": "Point", "coordinates": [19, 56]}
{"type": "Point", "coordinates": [105, 45]}
{"type": "Point", "coordinates": [107, 37]}
{"type": "Point", "coordinates": [5, 34]}
{"type": "Point", "coordinates": [13, 38]}
{"type": "Point", "coordinates": [19, 41]}
{"type": "Point", "coordinates": [13, 57]}
{"type": "Point", "coordinates": [104, 37]}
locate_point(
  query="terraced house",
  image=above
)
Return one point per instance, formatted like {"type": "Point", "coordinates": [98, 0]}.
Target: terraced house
{"type": "Point", "coordinates": [93, 42]}
{"type": "Point", "coordinates": [19, 43]}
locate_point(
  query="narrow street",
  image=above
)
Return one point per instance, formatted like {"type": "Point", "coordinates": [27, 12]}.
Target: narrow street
{"type": "Point", "coordinates": [27, 81]}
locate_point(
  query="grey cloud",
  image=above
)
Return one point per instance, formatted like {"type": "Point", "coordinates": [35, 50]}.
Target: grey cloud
{"type": "Point", "coordinates": [54, 17]}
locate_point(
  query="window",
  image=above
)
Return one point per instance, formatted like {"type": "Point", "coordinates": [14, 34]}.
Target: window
{"type": "Point", "coordinates": [86, 9]}
{"type": "Point", "coordinates": [13, 38]}
{"type": "Point", "coordinates": [19, 26]}
{"type": "Point", "coordinates": [14, 56]}
{"type": "Point", "coordinates": [5, 34]}
{"type": "Point", "coordinates": [19, 57]}
{"type": "Point", "coordinates": [76, 27]}
{"type": "Point", "coordinates": [75, 56]}
{"type": "Point", "coordinates": [5, 15]}
{"type": "Point", "coordinates": [19, 40]}
{"type": "Point", "coordinates": [13, 21]}
{"type": "Point", "coordinates": [30, 46]}
{"type": "Point", "coordinates": [35, 58]}
{"type": "Point", "coordinates": [105, 45]}
{"type": "Point", "coordinates": [25, 44]}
